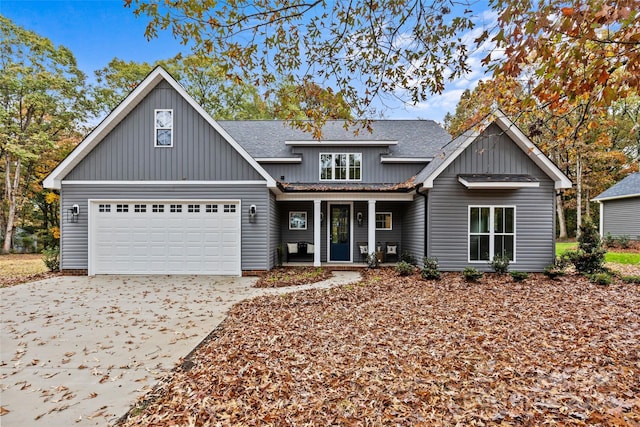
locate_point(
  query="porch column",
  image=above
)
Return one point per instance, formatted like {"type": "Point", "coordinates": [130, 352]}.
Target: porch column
{"type": "Point", "coordinates": [316, 232]}
{"type": "Point", "coordinates": [371, 226]}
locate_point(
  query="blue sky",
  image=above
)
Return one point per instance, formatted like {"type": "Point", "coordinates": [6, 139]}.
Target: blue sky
{"type": "Point", "coordinates": [97, 31]}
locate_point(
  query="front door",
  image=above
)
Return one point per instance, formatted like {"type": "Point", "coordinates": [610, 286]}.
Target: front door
{"type": "Point", "coordinates": [340, 237]}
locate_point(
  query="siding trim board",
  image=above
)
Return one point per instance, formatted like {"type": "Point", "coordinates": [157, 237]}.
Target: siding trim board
{"type": "Point", "coordinates": [85, 182]}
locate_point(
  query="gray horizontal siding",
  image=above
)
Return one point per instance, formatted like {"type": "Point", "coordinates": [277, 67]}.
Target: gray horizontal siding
{"type": "Point", "coordinates": [413, 228]}
{"type": "Point", "coordinates": [449, 200]}
{"type": "Point", "coordinates": [372, 170]}
{"type": "Point", "coordinates": [198, 152]}
{"type": "Point", "coordinates": [74, 236]}
{"type": "Point", "coordinates": [274, 230]}
{"type": "Point", "coordinates": [622, 217]}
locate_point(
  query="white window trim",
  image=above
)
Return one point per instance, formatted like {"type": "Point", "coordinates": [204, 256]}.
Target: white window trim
{"type": "Point", "coordinates": [491, 233]}
{"type": "Point", "coordinates": [333, 167]}
{"type": "Point", "coordinates": [301, 213]}
{"type": "Point", "coordinates": [390, 216]}
{"type": "Point", "coordinates": [156, 128]}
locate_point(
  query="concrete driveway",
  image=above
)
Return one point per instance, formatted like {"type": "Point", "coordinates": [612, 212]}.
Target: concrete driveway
{"type": "Point", "coordinates": [80, 350]}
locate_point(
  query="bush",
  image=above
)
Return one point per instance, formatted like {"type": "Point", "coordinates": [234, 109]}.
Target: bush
{"type": "Point", "coordinates": [557, 267]}
{"type": "Point", "coordinates": [500, 264]}
{"type": "Point", "coordinates": [471, 274]}
{"type": "Point", "coordinates": [623, 241]}
{"type": "Point", "coordinates": [51, 258]}
{"type": "Point", "coordinates": [519, 276]}
{"type": "Point", "coordinates": [407, 257]}
{"type": "Point", "coordinates": [609, 240]}
{"type": "Point", "coordinates": [403, 268]}
{"type": "Point", "coordinates": [430, 269]}
{"type": "Point", "coordinates": [601, 278]}
{"type": "Point", "coordinates": [372, 260]}
{"type": "Point", "coordinates": [631, 279]}
{"type": "Point", "coordinates": [589, 258]}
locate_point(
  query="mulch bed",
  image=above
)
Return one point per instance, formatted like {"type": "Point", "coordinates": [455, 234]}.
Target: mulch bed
{"type": "Point", "coordinates": [292, 276]}
{"type": "Point", "coordinates": [403, 351]}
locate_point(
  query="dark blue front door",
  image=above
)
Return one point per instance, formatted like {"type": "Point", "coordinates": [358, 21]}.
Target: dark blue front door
{"type": "Point", "coordinates": [340, 239]}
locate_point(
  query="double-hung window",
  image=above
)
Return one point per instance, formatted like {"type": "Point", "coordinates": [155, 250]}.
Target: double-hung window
{"type": "Point", "coordinates": [163, 124]}
{"type": "Point", "coordinates": [340, 166]}
{"type": "Point", "coordinates": [492, 231]}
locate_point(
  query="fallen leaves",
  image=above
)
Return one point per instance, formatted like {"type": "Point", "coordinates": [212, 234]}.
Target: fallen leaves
{"type": "Point", "coordinates": [402, 351]}
{"type": "Point", "coordinates": [292, 276]}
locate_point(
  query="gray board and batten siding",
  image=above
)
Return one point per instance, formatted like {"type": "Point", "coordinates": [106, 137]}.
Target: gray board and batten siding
{"type": "Point", "coordinates": [199, 152]}
{"type": "Point", "coordinates": [255, 235]}
{"type": "Point", "coordinates": [621, 217]}
{"type": "Point", "coordinates": [493, 152]}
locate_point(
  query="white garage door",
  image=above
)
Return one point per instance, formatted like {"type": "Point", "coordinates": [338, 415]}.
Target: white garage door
{"type": "Point", "coordinates": [164, 237]}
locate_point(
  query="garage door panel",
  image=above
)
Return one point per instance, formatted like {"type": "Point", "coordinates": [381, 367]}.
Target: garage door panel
{"type": "Point", "coordinates": [196, 242]}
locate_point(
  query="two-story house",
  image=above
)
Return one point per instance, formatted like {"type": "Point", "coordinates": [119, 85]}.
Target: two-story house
{"type": "Point", "coordinates": [159, 187]}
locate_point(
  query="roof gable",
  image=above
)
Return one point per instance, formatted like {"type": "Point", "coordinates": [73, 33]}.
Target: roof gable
{"type": "Point", "coordinates": [54, 179]}
{"type": "Point", "coordinates": [628, 187]}
{"type": "Point", "coordinates": [457, 146]}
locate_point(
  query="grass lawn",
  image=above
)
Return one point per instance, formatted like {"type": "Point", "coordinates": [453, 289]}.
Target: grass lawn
{"type": "Point", "coordinates": [21, 264]}
{"type": "Point", "coordinates": [611, 255]}
{"type": "Point", "coordinates": [403, 351]}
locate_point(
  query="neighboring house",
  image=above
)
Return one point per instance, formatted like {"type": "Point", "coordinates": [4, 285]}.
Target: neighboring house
{"type": "Point", "coordinates": [620, 208]}
{"type": "Point", "coordinates": [160, 187]}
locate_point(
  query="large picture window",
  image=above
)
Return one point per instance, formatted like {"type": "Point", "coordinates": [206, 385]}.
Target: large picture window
{"type": "Point", "coordinates": [340, 166]}
{"type": "Point", "coordinates": [163, 128]}
{"type": "Point", "coordinates": [491, 232]}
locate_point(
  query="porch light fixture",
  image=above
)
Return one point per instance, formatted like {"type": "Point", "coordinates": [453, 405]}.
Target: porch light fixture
{"type": "Point", "coordinates": [359, 217]}
{"type": "Point", "coordinates": [253, 211]}
{"type": "Point", "coordinates": [73, 213]}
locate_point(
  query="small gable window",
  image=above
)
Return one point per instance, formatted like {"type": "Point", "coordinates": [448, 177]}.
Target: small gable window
{"type": "Point", "coordinates": [163, 128]}
{"type": "Point", "coordinates": [340, 166]}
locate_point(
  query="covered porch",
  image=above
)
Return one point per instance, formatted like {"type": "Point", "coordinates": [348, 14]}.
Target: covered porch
{"type": "Point", "coordinates": [344, 229]}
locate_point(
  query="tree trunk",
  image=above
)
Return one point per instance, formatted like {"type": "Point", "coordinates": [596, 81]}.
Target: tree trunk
{"type": "Point", "coordinates": [11, 192]}
{"type": "Point", "coordinates": [578, 195]}
{"type": "Point", "coordinates": [587, 205]}
{"type": "Point", "coordinates": [562, 222]}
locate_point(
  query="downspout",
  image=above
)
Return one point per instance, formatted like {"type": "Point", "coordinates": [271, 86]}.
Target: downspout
{"type": "Point", "coordinates": [426, 217]}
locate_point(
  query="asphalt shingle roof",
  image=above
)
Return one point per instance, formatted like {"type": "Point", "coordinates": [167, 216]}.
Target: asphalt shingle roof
{"type": "Point", "coordinates": [266, 138]}
{"type": "Point", "coordinates": [629, 186]}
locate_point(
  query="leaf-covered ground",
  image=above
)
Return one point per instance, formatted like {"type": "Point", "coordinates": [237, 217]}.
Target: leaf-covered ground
{"type": "Point", "coordinates": [402, 351]}
{"type": "Point", "coordinates": [21, 268]}
{"type": "Point", "coordinates": [292, 276]}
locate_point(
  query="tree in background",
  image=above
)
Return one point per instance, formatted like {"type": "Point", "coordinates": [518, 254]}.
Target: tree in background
{"type": "Point", "coordinates": [223, 97]}
{"type": "Point", "coordinates": [42, 97]}
{"type": "Point", "coordinates": [408, 47]}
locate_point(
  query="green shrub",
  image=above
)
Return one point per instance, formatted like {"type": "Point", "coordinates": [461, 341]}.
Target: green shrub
{"type": "Point", "coordinates": [471, 274]}
{"type": "Point", "coordinates": [557, 267]}
{"type": "Point", "coordinates": [601, 278]}
{"type": "Point", "coordinates": [623, 241]}
{"type": "Point", "coordinates": [403, 268]}
{"type": "Point", "coordinates": [430, 269]}
{"type": "Point", "coordinates": [500, 264]}
{"type": "Point", "coordinates": [589, 258]}
{"type": "Point", "coordinates": [51, 258]}
{"type": "Point", "coordinates": [407, 257]}
{"type": "Point", "coordinates": [519, 276]}
{"type": "Point", "coordinates": [609, 241]}
{"type": "Point", "coordinates": [631, 279]}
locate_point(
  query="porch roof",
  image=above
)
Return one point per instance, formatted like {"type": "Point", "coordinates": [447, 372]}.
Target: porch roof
{"type": "Point", "coordinates": [403, 187]}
